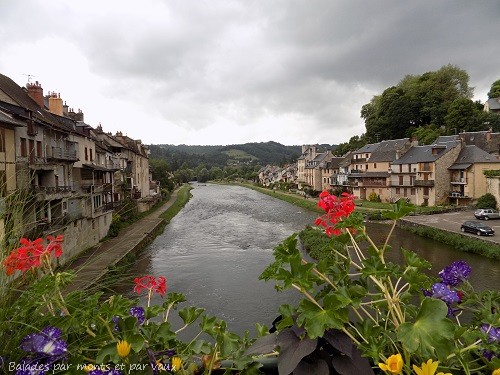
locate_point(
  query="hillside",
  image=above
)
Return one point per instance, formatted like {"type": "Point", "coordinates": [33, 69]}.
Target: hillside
{"type": "Point", "coordinates": [262, 153]}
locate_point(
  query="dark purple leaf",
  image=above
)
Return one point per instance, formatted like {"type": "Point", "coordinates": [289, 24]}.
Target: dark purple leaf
{"type": "Point", "coordinates": [340, 341]}
{"type": "Point", "coordinates": [263, 345]}
{"type": "Point", "coordinates": [319, 367]}
{"type": "Point", "coordinates": [349, 366]}
{"type": "Point", "coordinates": [292, 350]}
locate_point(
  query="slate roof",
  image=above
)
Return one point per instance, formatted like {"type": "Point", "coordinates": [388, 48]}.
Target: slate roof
{"type": "Point", "coordinates": [6, 119]}
{"type": "Point", "coordinates": [423, 154]}
{"type": "Point", "coordinates": [387, 150]}
{"type": "Point", "coordinates": [367, 148]}
{"type": "Point", "coordinates": [494, 104]}
{"type": "Point", "coordinates": [471, 155]}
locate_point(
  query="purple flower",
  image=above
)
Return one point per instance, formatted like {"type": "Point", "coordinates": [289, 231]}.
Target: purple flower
{"type": "Point", "coordinates": [116, 319]}
{"type": "Point", "coordinates": [492, 332]}
{"type": "Point", "coordinates": [138, 312]}
{"type": "Point", "coordinates": [443, 292]}
{"type": "Point", "coordinates": [455, 273]}
{"type": "Point", "coordinates": [47, 342]}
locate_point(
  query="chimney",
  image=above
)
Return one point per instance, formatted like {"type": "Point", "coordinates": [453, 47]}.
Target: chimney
{"type": "Point", "coordinates": [35, 92]}
{"type": "Point", "coordinates": [55, 104]}
{"type": "Point", "coordinates": [65, 109]}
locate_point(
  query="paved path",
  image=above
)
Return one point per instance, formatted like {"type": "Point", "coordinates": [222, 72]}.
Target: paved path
{"type": "Point", "coordinates": [94, 264]}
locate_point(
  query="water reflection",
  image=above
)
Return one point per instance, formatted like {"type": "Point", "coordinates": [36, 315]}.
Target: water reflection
{"type": "Point", "coordinates": [214, 250]}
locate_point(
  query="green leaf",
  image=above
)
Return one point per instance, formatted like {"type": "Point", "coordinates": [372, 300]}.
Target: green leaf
{"type": "Point", "coordinates": [316, 320]}
{"type": "Point", "coordinates": [107, 354]}
{"type": "Point", "coordinates": [190, 314]}
{"type": "Point", "coordinates": [432, 332]}
{"type": "Point", "coordinates": [400, 209]}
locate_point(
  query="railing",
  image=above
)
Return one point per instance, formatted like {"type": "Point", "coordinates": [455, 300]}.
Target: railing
{"type": "Point", "coordinates": [52, 189]}
{"type": "Point", "coordinates": [424, 183]}
{"type": "Point", "coordinates": [459, 181]}
{"type": "Point", "coordinates": [373, 183]}
{"type": "Point", "coordinates": [62, 154]}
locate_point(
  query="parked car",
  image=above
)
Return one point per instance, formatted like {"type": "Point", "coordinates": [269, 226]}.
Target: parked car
{"type": "Point", "coordinates": [477, 227]}
{"type": "Point", "coordinates": [487, 213]}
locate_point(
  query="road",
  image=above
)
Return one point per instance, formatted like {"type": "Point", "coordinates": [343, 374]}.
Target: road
{"type": "Point", "coordinates": [451, 221]}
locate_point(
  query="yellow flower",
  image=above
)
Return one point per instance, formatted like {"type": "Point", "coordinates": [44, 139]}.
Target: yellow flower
{"type": "Point", "coordinates": [123, 348]}
{"type": "Point", "coordinates": [176, 364]}
{"type": "Point", "coordinates": [496, 371]}
{"type": "Point", "coordinates": [428, 368]}
{"type": "Point", "coordinates": [393, 365]}
{"type": "Point", "coordinates": [89, 367]}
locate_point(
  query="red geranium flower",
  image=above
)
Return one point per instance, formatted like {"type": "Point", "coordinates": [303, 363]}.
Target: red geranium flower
{"type": "Point", "coordinates": [150, 283]}
{"type": "Point", "coordinates": [30, 254]}
{"type": "Point", "coordinates": [336, 209]}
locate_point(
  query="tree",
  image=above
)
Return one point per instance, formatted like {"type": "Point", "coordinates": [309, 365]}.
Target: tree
{"type": "Point", "coordinates": [203, 175]}
{"type": "Point", "coordinates": [463, 115]}
{"type": "Point", "coordinates": [427, 134]}
{"type": "Point", "coordinates": [216, 173]}
{"type": "Point", "coordinates": [415, 101]}
{"type": "Point", "coordinates": [494, 90]}
{"type": "Point", "coordinates": [160, 171]}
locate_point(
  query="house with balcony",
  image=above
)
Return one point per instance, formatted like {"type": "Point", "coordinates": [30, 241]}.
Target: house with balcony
{"type": "Point", "coordinates": [316, 170]}
{"type": "Point", "coordinates": [372, 168]}
{"type": "Point", "coordinates": [339, 180]}
{"type": "Point", "coordinates": [8, 179]}
{"type": "Point", "coordinates": [424, 172]}
{"type": "Point", "coordinates": [468, 181]}
{"type": "Point", "coordinates": [309, 152]}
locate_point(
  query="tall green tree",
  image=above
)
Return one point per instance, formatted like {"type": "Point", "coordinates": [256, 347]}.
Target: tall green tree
{"type": "Point", "coordinates": [417, 100]}
{"type": "Point", "coordinates": [494, 90]}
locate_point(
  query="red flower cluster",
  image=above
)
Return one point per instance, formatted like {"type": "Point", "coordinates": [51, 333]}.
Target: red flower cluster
{"type": "Point", "coordinates": [31, 254]}
{"type": "Point", "coordinates": [336, 209]}
{"type": "Point", "coordinates": [150, 283]}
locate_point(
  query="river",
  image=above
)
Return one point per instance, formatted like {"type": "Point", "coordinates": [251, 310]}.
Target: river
{"type": "Point", "coordinates": [215, 248]}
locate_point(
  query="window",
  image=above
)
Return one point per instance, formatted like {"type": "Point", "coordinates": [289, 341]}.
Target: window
{"type": "Point", "coordinates": [398, 190]}
{"type": "Point", "coordinates": [412, 191]}
{"type": "Point", "coordinates": [91, 156]}
{"type": "Point", "coordinates": [400, 180]}
{"type": "Point", "coordinates": [38, 149]}
{"type": "Point", "coordinates": [374, 165]}
{"type": "Point", "coordinates": [3, 183]}
{"type": "Point", "coordinates": [24, 149]}
{"type": "Point", "coordinates": [2, 140]}
{"type": "Point", "coordinates": [400, 168]}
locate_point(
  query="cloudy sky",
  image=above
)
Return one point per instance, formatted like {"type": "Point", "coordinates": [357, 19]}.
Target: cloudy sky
{"type": "Point", "coordinates": [223, 72]}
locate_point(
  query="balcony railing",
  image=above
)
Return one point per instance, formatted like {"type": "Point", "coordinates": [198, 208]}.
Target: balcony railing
{"type": "Point", "coordinates": [52, 189]}
{"type": "Point", "coordinates": [428, 183]}
{"type": "Point", "coordinates": [459, 181]}
{"type": "Point", "coordinates": [59, 153]}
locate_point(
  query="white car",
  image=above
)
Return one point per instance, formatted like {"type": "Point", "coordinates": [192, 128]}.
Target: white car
{"type": "Point", "coordinates": [487, 213]}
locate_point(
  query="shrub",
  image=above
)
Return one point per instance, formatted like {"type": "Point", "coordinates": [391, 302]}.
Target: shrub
{"type": "Point", "coordinates": [487, 201]}
{"type": "Point", "coordinates": [374, 197]}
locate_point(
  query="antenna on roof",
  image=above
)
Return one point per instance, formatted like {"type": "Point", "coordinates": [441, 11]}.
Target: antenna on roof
{"type": "Point", "coordinates": [29, 77]}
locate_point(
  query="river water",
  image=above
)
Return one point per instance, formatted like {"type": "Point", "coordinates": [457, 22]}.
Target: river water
{"type": "Point", "coordinates": [215, 248]}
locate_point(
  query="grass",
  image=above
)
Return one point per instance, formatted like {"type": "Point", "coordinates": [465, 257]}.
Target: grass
{"type": "Point", "coordinates": [458, 241]}
{"type": "Point", "coordinates": [183, 196]}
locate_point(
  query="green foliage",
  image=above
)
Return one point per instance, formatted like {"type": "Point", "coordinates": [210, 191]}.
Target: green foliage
{"type": "Point", "coordinates": [488, 200]}
{"type": "Point", "coordinates": [374, 197]}
{"type": "Point", "coordinates": [417, 100]}
{"type": "Point", "coordinates": [494, 90]}
{"type": "Point", "coordinates": [426, 134]}
{"type": "Point", "coordinates": [378, 306]}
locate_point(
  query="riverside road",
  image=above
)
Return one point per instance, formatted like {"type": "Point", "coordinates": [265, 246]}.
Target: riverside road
{"type": "Point", "coordinates": [451, 222]}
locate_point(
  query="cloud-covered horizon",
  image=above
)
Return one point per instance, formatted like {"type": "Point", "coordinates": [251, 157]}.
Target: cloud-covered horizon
{"type": "Point", "coordinates": [227, 72]}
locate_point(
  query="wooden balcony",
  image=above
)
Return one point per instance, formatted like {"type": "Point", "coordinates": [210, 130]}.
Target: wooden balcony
{"type": "Point", "coordinates": [424, 183]}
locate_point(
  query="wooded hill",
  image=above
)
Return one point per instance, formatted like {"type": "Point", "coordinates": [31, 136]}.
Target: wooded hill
{"type": "Point", "coordinates": [261, 153]}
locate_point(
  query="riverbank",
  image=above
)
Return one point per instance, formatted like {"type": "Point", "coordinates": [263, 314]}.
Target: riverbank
{"type": "Point", "coordinates": [421, 224]}
{"type": "Point", "coordinates": [98, 261]}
